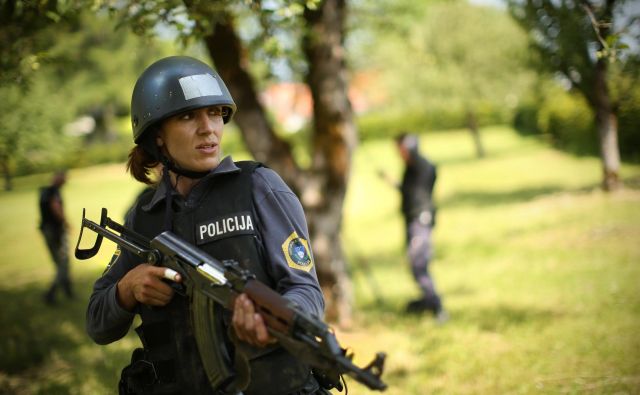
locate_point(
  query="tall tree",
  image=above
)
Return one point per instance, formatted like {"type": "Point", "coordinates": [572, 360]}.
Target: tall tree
{"type": "Point", "coordinates": [321, 186]}
{"type": "Point", "coordinates": [581, 40]}
{"type": "Point", "coordinates": [25, 34]}
{"type": "Point", "coordinates": [99, 62]}
{"type": "Point", "coordinates": [464, 60]}
{"type": "Point", "coordinates": [334, 139]}
{"type": "Point", "coordinates": [481, 62]}
{"type": "Point", "coordinates": [25, 37]}
{"type": "Point", "coordinates": [31, 127]}
{"type": "Point", "coordinates": [76, 64]}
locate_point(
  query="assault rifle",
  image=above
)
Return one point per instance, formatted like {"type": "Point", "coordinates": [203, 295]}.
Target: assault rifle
{"type": "Point", "coordinates": [208, 281]}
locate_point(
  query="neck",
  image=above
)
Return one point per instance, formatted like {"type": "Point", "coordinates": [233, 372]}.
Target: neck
{"type": "Point", "coordinates": [183, 184]}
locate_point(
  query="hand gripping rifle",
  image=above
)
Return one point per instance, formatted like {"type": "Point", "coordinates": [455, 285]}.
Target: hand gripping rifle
{"type": "Point", "coordinates": [304, 336]}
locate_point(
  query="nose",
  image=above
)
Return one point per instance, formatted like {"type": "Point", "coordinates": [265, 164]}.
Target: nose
{"type": "Point", "coordinates": [206, 124]}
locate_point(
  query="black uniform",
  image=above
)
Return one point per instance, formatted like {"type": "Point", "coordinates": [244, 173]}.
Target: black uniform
{"type": "Point", "coordinates": [419, 212]}
{"type": "Point", "coordinates": [55, 236]}
{"type": "Point", "coordinates": [239, 211]}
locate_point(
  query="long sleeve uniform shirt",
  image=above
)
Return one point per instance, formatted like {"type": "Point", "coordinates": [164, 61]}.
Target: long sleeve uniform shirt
{"type": "Point", "coordinates": [417, 187]}
{"type": "Point", "coordinates": [279, 214]}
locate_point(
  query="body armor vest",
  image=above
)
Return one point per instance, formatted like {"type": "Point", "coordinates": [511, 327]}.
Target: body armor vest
{"type": "Point", "coordinates": [223, 224]}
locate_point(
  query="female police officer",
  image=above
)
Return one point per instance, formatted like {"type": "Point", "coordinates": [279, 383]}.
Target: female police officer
{"type": "Point", "coordinates": [231, 210]}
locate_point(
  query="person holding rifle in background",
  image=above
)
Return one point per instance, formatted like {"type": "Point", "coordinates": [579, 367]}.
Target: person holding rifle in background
{"type": "Point", "coordinates": [419, 213]}
{"type": "Point", "coordinates": [238, 211]}
{"type": "Point", "coordinates": [54, 228]}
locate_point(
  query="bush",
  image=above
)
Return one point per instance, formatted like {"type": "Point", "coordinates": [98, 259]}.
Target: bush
{"type": "Point", "coordinates": [380, 124]}
{"type": "Point", "coordinates": [103, 152]}
{"type": "Point", "coordinates": [569, 123]}
{"type": "Point", "coordinates": [525, 120]}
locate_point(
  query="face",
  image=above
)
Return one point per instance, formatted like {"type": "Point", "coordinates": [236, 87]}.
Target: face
{"type": "Point", "coordinates": [404, 152]}
{"type": "Point", "coordinates": [192, 138]}
{"type": "Point", "coordinates": [59, 179]}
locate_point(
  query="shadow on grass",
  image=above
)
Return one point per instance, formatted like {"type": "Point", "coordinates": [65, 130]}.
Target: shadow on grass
{"type": "Point", "coordinates": [492, 154]}
{"type": "Point", "coordinates": [502, 317]}
{"type": "Point", "coordinates": [37, 339]}
{"type": "Point", "coordinates": [632, 182]}
{"type": "Point", "coordinates": [484, 199]}
{"type": "Point", "coordinates": [498, 318]}
{"type": "Point", "coordinates": [30, 330]}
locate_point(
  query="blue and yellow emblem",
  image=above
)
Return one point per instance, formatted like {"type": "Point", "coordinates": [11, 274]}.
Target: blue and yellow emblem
{"type": "Point", "coordinates": [296, 251]}
{"type": "Point", "coordinates": [113, 260]}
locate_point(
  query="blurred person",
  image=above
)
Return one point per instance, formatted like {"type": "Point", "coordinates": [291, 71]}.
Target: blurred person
{"type": "Point", "coordinates": [419, 213]}
{"type": "Point", "coordinates": [231, 210]}
{"type": "Point", "coordinates": [54, 228]}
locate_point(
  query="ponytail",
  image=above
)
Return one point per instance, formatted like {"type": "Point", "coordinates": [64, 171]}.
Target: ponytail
{"type": "Point", "coordinates": [141, 165]}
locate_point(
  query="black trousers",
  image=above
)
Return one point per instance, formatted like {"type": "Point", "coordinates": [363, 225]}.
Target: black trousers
{"type": "Point", "coordinates": [58, 245]}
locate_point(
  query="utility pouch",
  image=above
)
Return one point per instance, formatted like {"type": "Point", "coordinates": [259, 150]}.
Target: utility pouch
{"type": "Point", "coordinates": [139, 376]}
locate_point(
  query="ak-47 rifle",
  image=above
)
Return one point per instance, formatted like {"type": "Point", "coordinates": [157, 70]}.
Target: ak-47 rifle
{"type": "Point", "coordinates": [208, 281]}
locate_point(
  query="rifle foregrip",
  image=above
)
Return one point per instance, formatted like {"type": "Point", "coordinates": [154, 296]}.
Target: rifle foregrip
{"type": "Point", "coordinates": [273, 307]}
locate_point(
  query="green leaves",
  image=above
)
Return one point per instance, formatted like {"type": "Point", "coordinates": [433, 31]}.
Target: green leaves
{"type": "Point", "coordinates": [446, 56]}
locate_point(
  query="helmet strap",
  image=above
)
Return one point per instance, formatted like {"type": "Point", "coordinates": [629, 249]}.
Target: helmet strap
{"type": "Point", "coordinates": [167, 161]}
{"type": "Point", "coordinates": [149, 144]}
{"type": "Point", "coordinates": [184, 172]}
{"type": "Point", "coordinates": [169, 165]}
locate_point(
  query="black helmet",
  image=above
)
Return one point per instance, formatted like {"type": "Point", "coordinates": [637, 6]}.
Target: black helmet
{"type": "Point", "coordinates": [408, 140]}
{"type": "Point", "coordinates": [173, 85]}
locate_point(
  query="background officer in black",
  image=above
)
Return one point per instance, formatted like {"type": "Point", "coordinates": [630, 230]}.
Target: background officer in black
{"type": "Point", "coordinates": [418, 211]}
{"type": "Point", "coordinates": [53, 225]}
{"type": "Point", "coordinates": [231, 210]}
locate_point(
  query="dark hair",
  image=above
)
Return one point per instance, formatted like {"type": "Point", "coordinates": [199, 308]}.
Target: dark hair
{"type": "Point", "coordinates": [400, 137]}
{"type": "Point", "coordinates": [141, 165]}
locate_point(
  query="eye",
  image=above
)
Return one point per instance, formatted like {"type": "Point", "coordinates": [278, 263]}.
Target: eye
{"type": "Point", "coordinates": [185, 116]}
{"type": "Point", "coordinates": [218, 111]}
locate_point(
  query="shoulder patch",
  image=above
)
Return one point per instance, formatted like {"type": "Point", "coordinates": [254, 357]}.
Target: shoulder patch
{"type": "Point", "coordinates": [114, 259]}
{"type": "Point", "coordinates": [296, 252]}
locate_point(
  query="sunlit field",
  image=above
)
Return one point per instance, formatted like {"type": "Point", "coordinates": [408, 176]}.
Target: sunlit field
{"type": "Point", "coordinates": [538, 268]}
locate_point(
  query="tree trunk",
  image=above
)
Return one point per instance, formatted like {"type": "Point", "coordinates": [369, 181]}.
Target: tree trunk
{"type": "Point", "coordinates": [105, 130]}
{"type": "Point", "coordinates": [334, 139]}
{"type": "Point", "coordinates": [322, 188]}
{"type": "Point", "coordinates": [472, 123]}
{"type": "Point", "coordinates": [6, 172]}
{"type": "Point", "coordinates": [226, 50]}
{"type": "Point", "coordinates": [607, 124]}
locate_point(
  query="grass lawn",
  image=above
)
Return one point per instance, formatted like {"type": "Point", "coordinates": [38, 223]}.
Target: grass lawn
{"type": "Point", "coordinates": [538, 268]}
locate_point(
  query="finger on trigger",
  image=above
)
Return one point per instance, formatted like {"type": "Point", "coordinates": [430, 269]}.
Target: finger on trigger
{"type": "Point", "coordinates": [171, 274]}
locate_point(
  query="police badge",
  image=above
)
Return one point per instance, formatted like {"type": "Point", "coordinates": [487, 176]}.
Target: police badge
{"type": "Point", "coordinates": [296, 252]}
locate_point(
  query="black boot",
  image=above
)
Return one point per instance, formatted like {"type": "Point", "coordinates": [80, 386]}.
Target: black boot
{"type": "Point", "coordinates": [418, 306]}
{"type": "Point", "coordinates": [50, 296]}
{"type": "Point", "coordinates": [66, 285]}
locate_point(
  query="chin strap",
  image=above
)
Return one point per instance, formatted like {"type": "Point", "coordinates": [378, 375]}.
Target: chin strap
{"type": "Point", "coordinates": [184, 172]}
{"type": "Point", "coordinates": [168, 165]}
{"type": "Point", "coordinates": [149, 145]}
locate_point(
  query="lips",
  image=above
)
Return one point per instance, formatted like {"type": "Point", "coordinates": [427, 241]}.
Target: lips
{"type": "Point", "coordinates": [207, 147]}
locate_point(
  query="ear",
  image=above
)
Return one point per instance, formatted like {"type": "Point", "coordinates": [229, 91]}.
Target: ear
{"type": "Point", "coordinates": [159, 140]}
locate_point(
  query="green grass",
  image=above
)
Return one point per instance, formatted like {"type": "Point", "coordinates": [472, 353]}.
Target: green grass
{"type": "Point", "coordinates": [538, 268]}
